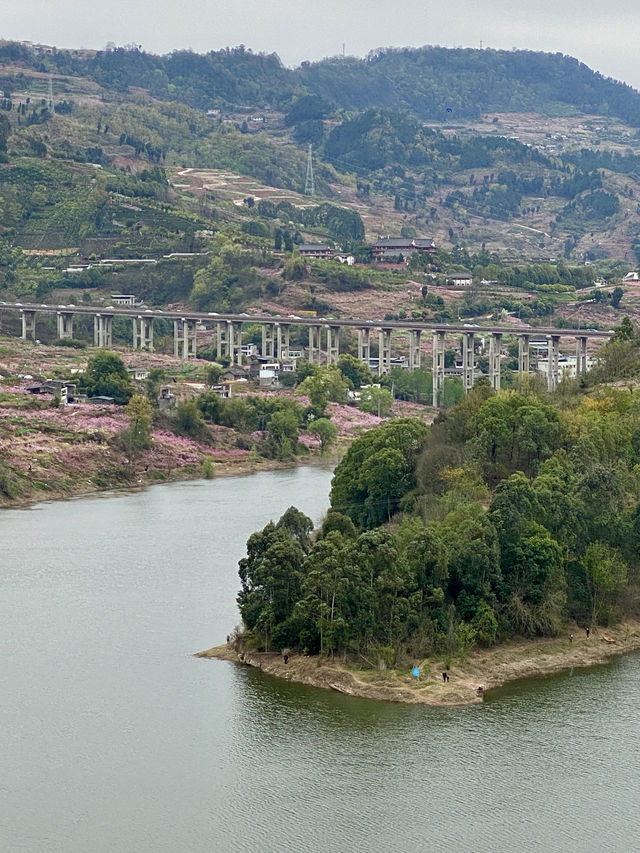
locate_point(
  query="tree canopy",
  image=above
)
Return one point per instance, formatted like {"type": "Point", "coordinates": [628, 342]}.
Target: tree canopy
{"type": "Point", "coordinates": [508, 517]}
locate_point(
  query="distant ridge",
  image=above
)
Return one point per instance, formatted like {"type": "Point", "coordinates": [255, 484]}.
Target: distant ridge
{"type": "Point", "coordinates": [433, 83]}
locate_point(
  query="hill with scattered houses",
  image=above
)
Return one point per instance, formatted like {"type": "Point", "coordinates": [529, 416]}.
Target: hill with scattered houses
{"type": "Point", "coordinates": [185, 178]}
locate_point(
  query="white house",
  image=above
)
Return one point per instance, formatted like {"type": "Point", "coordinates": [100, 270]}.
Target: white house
{"type": "Point", "coordinates": [567, 366]}
{"type": "Point", "coordinates": [461, 279]}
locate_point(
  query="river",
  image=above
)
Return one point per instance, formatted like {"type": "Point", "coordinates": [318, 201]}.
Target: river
{"type": "Point", "coordinates": [114, 739]}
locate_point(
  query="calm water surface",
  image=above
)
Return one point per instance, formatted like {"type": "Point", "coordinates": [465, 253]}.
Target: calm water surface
{"type": "Point", "coordinates": [114, 738]}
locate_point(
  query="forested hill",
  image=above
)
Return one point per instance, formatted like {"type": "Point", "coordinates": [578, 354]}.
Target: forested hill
{"type": "Point", "coordinates": [431, 82]}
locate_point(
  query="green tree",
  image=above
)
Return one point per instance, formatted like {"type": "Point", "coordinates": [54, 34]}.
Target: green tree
{"type": "Point", "coordinates": [209, 405]}
{"type": "Point", "coordinates": [356, 371]}
{"type": "Point", "coordinates": [606, 576]}
{"type": "Point", "coordinates": [189, 420]}
{"type": "Point", "coordinates": [361, 474]}
{"type": "Point", "coordinates": [282, 430]}
{"type": "Point", "coordinates": [139, 413]}
{"type": "Point", "coordinates": [271, 575]}
{"type": "Point", "coordinates": [213, 372]}
{"type": "Point", "coordinates": [616, 295]}
{"type": "Point", "coordinates": [295, 268]}
{"type": "Point", "coordinates": [326, 431]}
{"type": "Point", "coordinates": [513, 432]}
{"type": "Point", "coordinates": [154, 381]}
{"type": "Point", "coordinates": [376, 401]}
{"type": "Point", "coordinates": [106, 376]}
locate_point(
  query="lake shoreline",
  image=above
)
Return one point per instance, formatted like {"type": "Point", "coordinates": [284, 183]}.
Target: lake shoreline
{"type": "Point", "coordinates": [222, 470]}
{"type": "Point", "coordinates": [487, 669]}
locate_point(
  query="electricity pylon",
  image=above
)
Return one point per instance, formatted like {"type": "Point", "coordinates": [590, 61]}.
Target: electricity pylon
{"type": "Point", "coordinates": [309, 184]}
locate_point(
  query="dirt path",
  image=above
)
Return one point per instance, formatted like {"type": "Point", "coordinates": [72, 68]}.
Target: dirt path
{"type": "Point", "coordinates": [486, 669]}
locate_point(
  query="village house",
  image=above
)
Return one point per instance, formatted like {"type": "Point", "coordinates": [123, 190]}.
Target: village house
{"type": "Point", "coordinates": [461, 279]}
{"type": "Point", "coordinates": [123, 299]}
{"type": "Point", "coordinates": [223, 390]}
{"type": "Point", "coordinates": [167, 399]}
{"type": "Point", "coordinates": [391, 248]}
{"type": "Point", "coordinates": [631, 278]}
{"type": "Point", "coordinates": [316, 250]}
{"type": "Point", "coordinates": [66, 391]}
{"type": "Point", "coordinates": [268, 375]}
{"type": "Point", "coordinates": [234, 373]}
{"type": "Point", "coordinates": [138, 374]}
{"type": "Point", "coordinates": [567, 366]}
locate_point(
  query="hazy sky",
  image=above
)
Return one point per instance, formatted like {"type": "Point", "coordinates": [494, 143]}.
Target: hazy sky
{"type": "Point", "coordinates": [603, 35]}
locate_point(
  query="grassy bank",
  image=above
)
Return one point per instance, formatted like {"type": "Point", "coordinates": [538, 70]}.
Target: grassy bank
{"type": "Point", "coordinates": [489, 668]}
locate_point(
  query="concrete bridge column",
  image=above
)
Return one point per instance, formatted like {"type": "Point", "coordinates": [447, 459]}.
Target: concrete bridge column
{"type": "Point", "coordinates": [268, 341]}
{"type": "Point", "coordinates": [177, 337]}
{"type": "Point", "coordinates": [184, 333]}
{"type": "Point", "coordinates": [222, 339]}
{"type": "Point", "coordinates": [64, 320]}
{"type": "Point", "coordinates": [553, 342]}
{"type": "Point", "coordinates": [364, 346]}
{"type": "Point", "coordinates": [414, 349]}
{"type": "Point", "coordinates": [315, 348]}
{"type": "Point", "coordinates": [495, 339]}
{"type": "Point", "coordinates": [468, 360]}
{"type": "Point", "coordinates": [235, 338]}
{"type": "Point", "coordinates": [143, 333]}
{"type": "Point", "coordinates": [384, 351]}
{"type": "Point", "coordinates": [103, 330]}
{"type": "Point", "coordinates": [282, 334]}
{"type": "Point", "coordinates": [146, 333]}
{"type": "Point", "coordinates": [28, 324]}
{"type": "Point", "coordinates": [581, 355]}
{"type": "Point", "coordinates": [523, 355]}
{"type": "Point", "coordinates": [438, 367]}
{"type": "Point", "coordinates": [333, 344]}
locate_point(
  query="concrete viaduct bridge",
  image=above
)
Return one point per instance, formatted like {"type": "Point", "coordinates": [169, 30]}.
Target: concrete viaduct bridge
{"type": "Point", "coordinates": [275, 338]}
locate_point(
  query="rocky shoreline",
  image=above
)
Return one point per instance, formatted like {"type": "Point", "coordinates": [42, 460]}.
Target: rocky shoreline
{"type": "Point", "coordinates": [487, 669]}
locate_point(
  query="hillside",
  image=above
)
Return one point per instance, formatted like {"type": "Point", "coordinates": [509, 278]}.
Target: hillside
{"type": "Point", "coordinates": [137, 156]}
{"type": "Point", "coordinates": [430, 82]}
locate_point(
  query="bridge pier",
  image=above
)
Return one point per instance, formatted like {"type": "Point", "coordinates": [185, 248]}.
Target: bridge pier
{"type": "Point", "coordinates": [468, 361]}
{"type": "Point", "coordinates": [523, 356]}
{"type": "Point", "coordinates": [315, 345]}
{"type": "Point", "coordinates": [414, 349]}
{"type": "Point", "coordinates": [495, 340]}
{"type": "Point", "coordinates": [268, 341]}
{"type": "Point", "coordinates": [364, 345]}
{"type": "Point", "coordinates": [28, 324]}
{"type": "Point", "coordinates": [581, 355]}
{"type": "Point", "coordinates": [282, 335]}
{"type": "Point", "coordinates": [64, 324]}
{"type": "Point", "coordinates": [185, 338]}
{"type": "Point", "coordinates": [438, 367]}
{"type": "Point", "coordinates": [333, 344]}
{"type": "Point", "coordinates": [384, 351]}
{"type": "Point", "coordinates": [103, 330]}
{"type": "Point", "coordinates": [234, 334]}
{"type": "Point", "coordinates": [143, 333]}
{"type": "Point", "coordinates": [222, 340]}
{"type": "Point", "coordinates": [553, 342]}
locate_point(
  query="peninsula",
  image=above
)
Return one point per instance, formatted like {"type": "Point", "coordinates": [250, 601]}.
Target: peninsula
{"type": "Point", "coordinates": [488, 669]}
{"type": "Point", "coordinates": [498, 543]}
